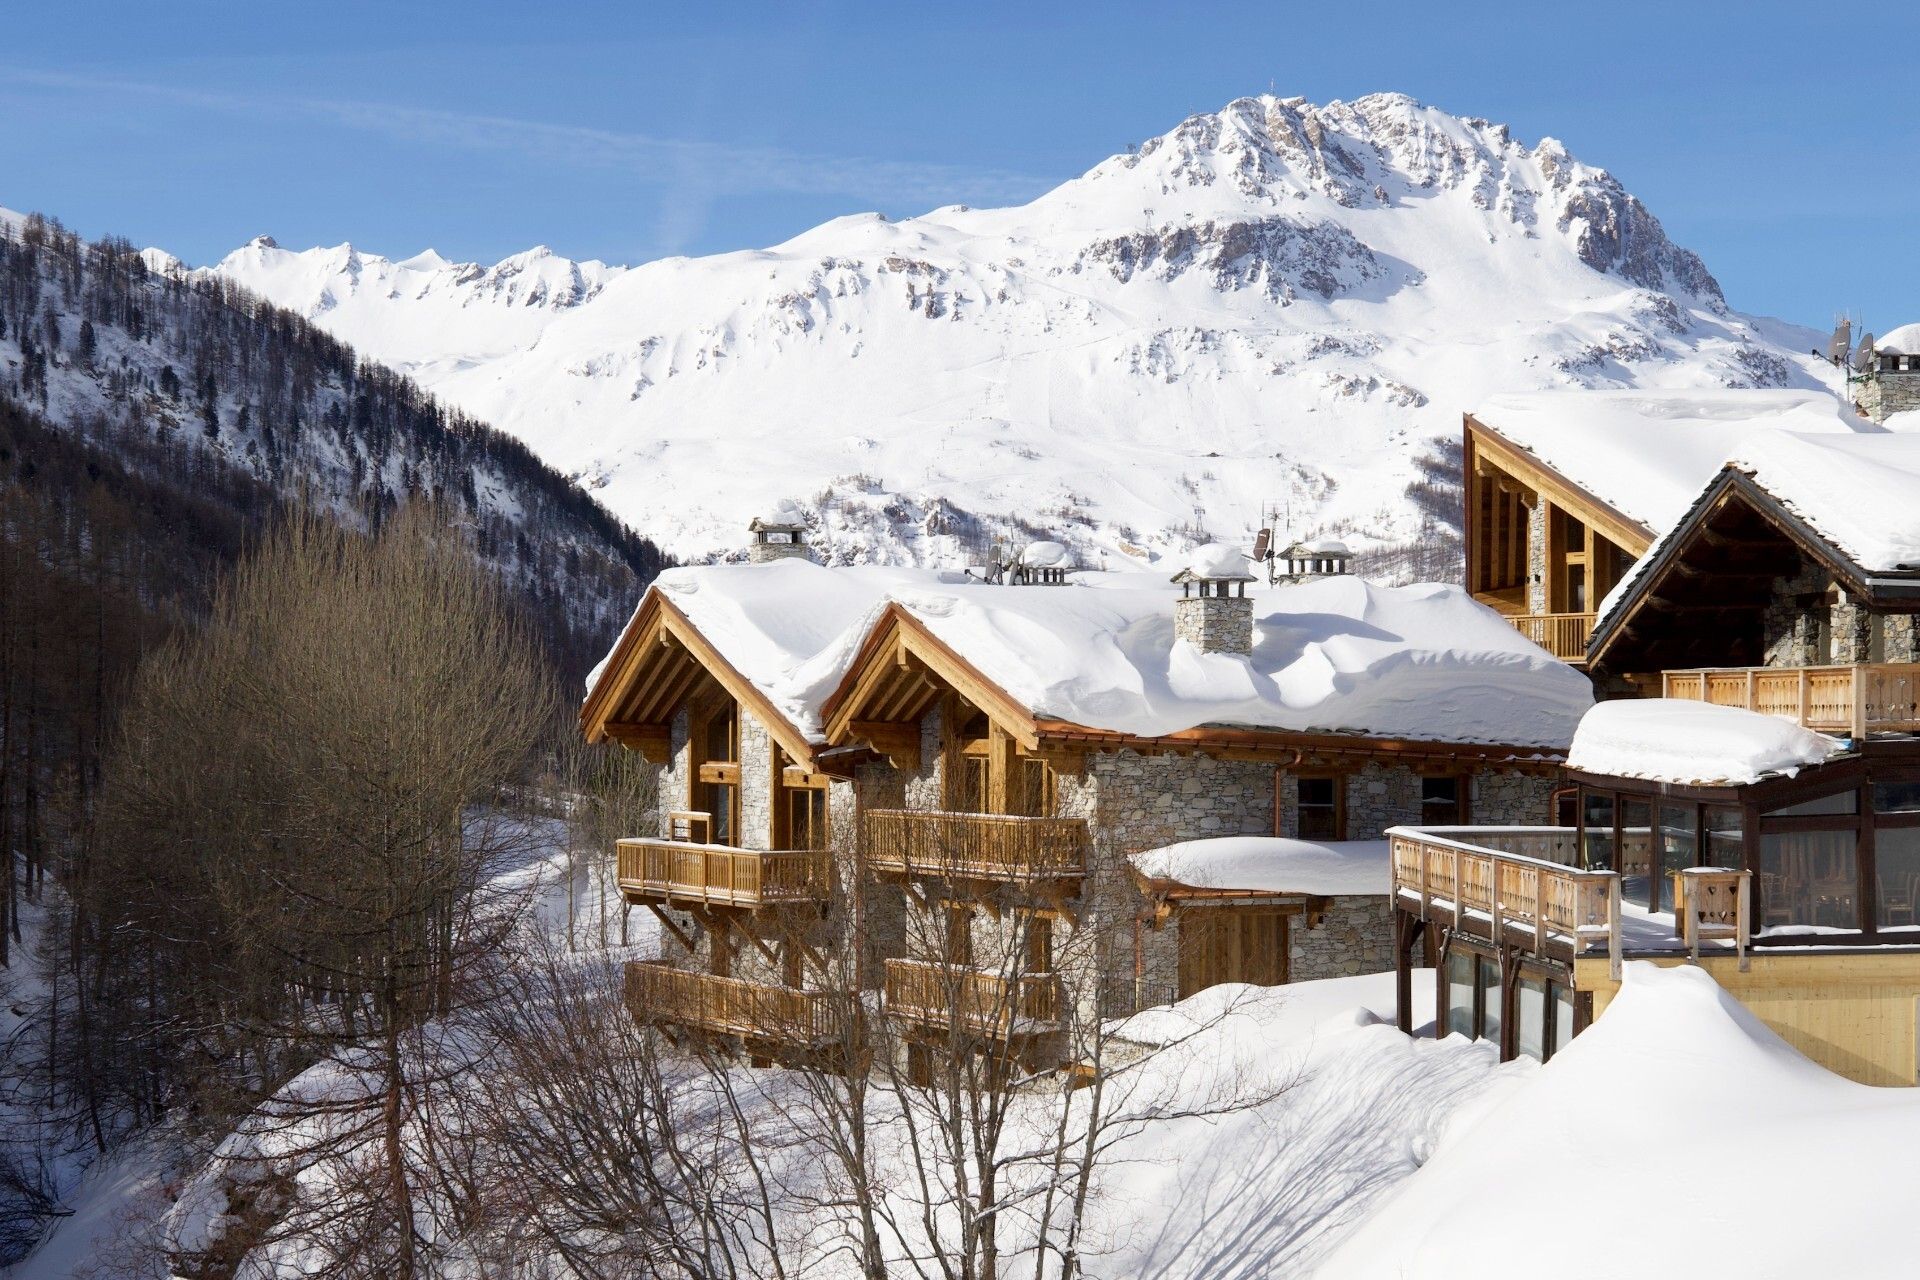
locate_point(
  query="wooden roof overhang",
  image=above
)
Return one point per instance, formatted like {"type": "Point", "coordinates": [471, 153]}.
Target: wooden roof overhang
{"type": "Point", "coordinates": [1167, 897]}
{"type": "Point", "coordinates": [902, 669]}
{"type": "Point", "coordinates": [1700, 600]}
{"type": "Point", "coordinates": [1483, 447]}
{"type": "Point", "coordinates": [660, 659]}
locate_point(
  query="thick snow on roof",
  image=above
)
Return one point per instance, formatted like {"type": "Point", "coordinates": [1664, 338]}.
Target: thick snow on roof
{"type": "Point", "coordinates": [1042, 554]}
{"type": "Point", "coordinates": [1270, 864]}
{"type": "Point", "coordinates": [1647, 454]}
{"type": "Point", "coordinates": [786, 512]}
{"type": "Point", "coordinates": [1761, 1162]}
{"type": "Point", "coordinates": [1328, 547]}
{"type": "Point", "coordinates": [1904, 341]}
{"type": "Point", "coordinates": [1861, 492]}
{"type": "Point", "coordinates": [1673, 740]}
{"type": "Point", "coordinates": [1340, 655]}
{"type": "Point", "coordinates": [1218, 560]}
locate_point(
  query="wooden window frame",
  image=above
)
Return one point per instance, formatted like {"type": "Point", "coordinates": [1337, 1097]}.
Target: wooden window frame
{"type": "Point", "coordinates": [1462, 803]}
{"type": "Point", "coordinates": [1339, 781]}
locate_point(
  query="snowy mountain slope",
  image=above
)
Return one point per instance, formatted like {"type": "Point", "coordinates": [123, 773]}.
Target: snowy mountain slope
{"type": "Point", "coordinates": [1275, 304]}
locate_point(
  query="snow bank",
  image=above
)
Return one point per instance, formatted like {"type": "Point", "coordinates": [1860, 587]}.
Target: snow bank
{"type": "Point", "coordinates": [1674, 740]}
{"type": "Point", "coordinates": [1269, 864]}
{"type": "Point", "coordinates": [1678, 1135]}
{"type": "Point", "coordinates": [1860, 492]}
{"type": "Point", "coordinates": [1340, 655]}
{"type": "Point", "coordinates": [1648, 454]}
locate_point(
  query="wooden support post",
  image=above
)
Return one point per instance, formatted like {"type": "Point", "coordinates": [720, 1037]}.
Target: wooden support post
{"type": "Point", "coordinates": [1613, 927]}
{"type": "Point", "coordinates": [1743, 915]}
{"type": "Point", "coordinates": [1003, 764]}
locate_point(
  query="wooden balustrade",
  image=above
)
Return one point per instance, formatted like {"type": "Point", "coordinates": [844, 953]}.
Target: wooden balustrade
{"type": "Point", "coordinates": [732, 1006]}
{"type": "Point", "coordinates": [1458, 873]}
{"type": "Point", "coordinates": [1855, 699]}
{"type": "Point", "coordinates": [940, 995]}
{"type": "Point", "coordinates": [986, 846]}
{"type": "Point", "coordinates": [1564, 635]}
{"type": "Point", "coordinates": [675, 871]}
{"type": "Point", "coordinates": [1714, 903]}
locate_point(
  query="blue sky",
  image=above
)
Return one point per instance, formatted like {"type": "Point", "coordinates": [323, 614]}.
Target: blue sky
{"type": "Point", "coordinates": [1781, 141]}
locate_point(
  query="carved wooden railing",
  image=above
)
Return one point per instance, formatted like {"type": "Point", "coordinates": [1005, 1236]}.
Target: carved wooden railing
{"type": "Point", "coordinates": [978, 845]}
{"type": "Point", "coordinates": [732, 1006]}
{"type": "Point", "coordinates": [672, 870]}
{"type": "Point", "coordinates": [943, 995]}
{"type": "Point", "coordinates": [1564, 635]}
{"type": "Point", "coordinates": [1508, 882]}
{"type": "Point", "coordinates": [1714, 903]}
{"type": "Point", "coordinates": [1855, 699]}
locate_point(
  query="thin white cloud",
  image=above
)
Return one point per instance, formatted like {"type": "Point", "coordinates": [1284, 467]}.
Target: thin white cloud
{"type": "Point", "coordinates": [707, 167]}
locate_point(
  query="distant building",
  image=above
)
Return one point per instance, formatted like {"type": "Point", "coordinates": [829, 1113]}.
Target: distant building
{"type": "Point", "coordinates": [1890, 383]}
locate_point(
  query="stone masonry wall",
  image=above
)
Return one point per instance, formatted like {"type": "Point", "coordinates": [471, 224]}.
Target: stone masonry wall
{"type": "Point", "coordinates": [1886, 394]}
{"type": "Point", "coordinates": [1537, 557]}
{"type": "Point", "coordinates": [1509, 799]}
{"type": "Point", "coordinates": [1215, 624]}
{"type": "Point", "coordinates": [1355, 936]}
{"type": "Point", "coordinates": [756, 784]}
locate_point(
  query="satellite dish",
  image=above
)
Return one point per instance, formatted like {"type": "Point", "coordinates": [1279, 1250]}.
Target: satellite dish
{"type": "Point", "coordinates": [1261, 543]}
{"type": "Point", "coordinates": [1841, 342]}
{"type": "Point", "coordinates": [1863, 355]}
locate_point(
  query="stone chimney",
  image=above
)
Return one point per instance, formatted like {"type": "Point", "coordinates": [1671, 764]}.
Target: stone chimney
{"type": "Point", "coordinates": [779, 535]}
{"type": "Point", "coordinates": [1213, 613]}
{"type": "Point", "coordinates": [1887, 380]}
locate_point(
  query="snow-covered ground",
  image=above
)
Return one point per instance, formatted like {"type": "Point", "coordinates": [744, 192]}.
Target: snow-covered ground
{"type": "Point", "coordinates": [1273, 305]}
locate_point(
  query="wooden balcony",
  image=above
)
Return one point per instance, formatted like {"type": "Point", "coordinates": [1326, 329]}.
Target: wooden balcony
{"type": "Point", "coordinates": [982, 846]}
{"type": "Point", "coordinates": [757, 1011]}
{"type": "Point", "coordinates": [1564, 635]}
{"type": "Point", "coordinates": [949, 997]}
{"type": "Point", "coordinates": [669, 871]}
{"type": "Point", "coordinates": [1510, 885]}
{"type": "Point", "coordinates": [1857, 699]}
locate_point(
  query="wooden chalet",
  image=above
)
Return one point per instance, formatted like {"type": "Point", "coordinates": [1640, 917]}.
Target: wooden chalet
{"type": "Point", "coordinates": [887, 772]}
{"type": "Point", "coordinates": [1793, 877]}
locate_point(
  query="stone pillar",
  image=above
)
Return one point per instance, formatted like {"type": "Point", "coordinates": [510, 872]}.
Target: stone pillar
{"type": "Point", "coordinates": [1215, 624]}
{"type": "Point", "coordinates": [761, 552]}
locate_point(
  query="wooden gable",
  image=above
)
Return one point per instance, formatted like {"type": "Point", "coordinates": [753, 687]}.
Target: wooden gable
{"type": "Point", "coordinates": [661, 660]}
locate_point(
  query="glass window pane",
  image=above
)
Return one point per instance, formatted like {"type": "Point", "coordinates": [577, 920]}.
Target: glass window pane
{"type": "Point", "coordinates": [1726, 842]}
{"type": "Point", "coordinates": [1896, 797]}
{"type": "Point", "coordinates": [1839, 802]}
{"type": "Point", "coordinates": [1596, 816]}
{"type": "Point", "coordinates": [1636, 850]}
{"type": "Point", "coordinates": [1440, 801]}
{"type": "Point", "coordinates": [1562, 1017]}
{"type": "Point", "coordinates": [1460, 994]}
{"type": "Point", "coordinates": [1808, 881]}
{"type": "Point", "coordinates": [1678, 842]}
{"type": "Point", "coordinates": [1531, 1015]}
{"type": "Point", "coordinates": [1896, 862]}
{"type": "Point", "coordinates": [1490, 999]}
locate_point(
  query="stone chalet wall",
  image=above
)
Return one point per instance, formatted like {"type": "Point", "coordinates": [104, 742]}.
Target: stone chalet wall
{"type": "Point", "coordinates": [1355, 936]}
{"type": "Point", "coordinates": [1803, 605]}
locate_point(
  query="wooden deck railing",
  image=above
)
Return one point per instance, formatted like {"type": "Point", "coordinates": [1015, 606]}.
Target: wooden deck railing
{"type": "Point", "coordinates": [1856, 699]}
{"type": "Point", "coordinates": [980, 845]}
{"type": "Point", "coordinates": [677, 871]}
{"type": "Point", "coordinates": [1564, 635]}
{"type": "Point", "coordinates": [732, 1006]}
{"type": "Point", "coordinates": [1511, 892]}
{"type": "Point", "coordinates": [942, 995]}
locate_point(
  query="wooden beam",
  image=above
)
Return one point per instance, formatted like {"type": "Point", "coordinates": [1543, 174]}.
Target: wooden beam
{"type": "Point", "coordinates": [653, 741]}
{"type": "Point", "coordinates": [667, 923]}
{"type": "Point", "coordinates": [899, 743]}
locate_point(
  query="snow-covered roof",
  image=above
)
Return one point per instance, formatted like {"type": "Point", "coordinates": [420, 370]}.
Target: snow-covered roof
{"type": "Point", "coordinates": [1904, 341]}
{"type": "Point", "coordinates": [1692, 743]}
{"type": "Point", "coordinates": [1327, 547]}
{"type": "Point", "coordinates": [1862, 493]}
{"type": "Point", "coordinates": [1041, 555]}
{"type": "Point", "coordinates": [785, 514]}
{"type": "Point", "coordinates": [1647, 453]}
{"type": "Point", "coordinates": [1270, 864]}
{"type": "Point", "coordinates": [1339, 655]}
{"type": "Point", "coordinates": [1217, 560]}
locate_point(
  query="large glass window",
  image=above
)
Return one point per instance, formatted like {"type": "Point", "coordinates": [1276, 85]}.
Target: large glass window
{"type": "Point", "coordinates": [1460, 993]}
{"type": "Point", "coordinates": [1726, 842]}
{"type": "Point", "coordinates": [1636, 850]}
{"type": "Point", "coordinates": [1896, 797]}
{"type": "Point", "coordinates": [1530, 1016]}
{"type": "Point", "coordinates": [1808, 879]}
{"type": "Point", "coordinates": [1820, 806]}
{"type": "Point", "coordinates": [1562, 1016]}
{"type": "Point", "coordinates": [1490, 996]}
{"type": "Point", "coordinates": [1596, 820]}
{"type": "Point", "coordinates": [1896, 864]}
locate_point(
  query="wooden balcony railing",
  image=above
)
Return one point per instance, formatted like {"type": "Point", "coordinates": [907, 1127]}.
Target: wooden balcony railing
{"type": "Point", "coordinates": [1468, 877]}
{"type": "Point", "coordinates": [978, 845]}
{"type": "Point", "coordinates": [732, 1006]}
{"type": "Point", "coordinates": [674, 871]}
{"type": "Point", "coordinates": [1564, 635]}
{"type": "Point", "coordinates": [1857, 699]}
{"type": "Point", "coordinates": [950, 996]}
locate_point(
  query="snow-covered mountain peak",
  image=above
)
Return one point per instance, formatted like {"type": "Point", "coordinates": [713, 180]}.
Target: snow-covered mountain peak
{"type": "Point", "coordinates": [1275, 304]}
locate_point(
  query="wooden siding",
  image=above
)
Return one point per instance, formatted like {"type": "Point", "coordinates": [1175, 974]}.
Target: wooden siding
{"type": "Point", "coordinates": [1231, 944]}
{"type": "Point", "coordinates": [976, 845]}
{"type": "Point", "coordinates": [674, 871]}
{"type": "Point", "coordinates": [1854, 1014]}
{"type": "Point", "coordinates": [732, 1006]}
{"type": "Point", "coordinates": [1881, 697]}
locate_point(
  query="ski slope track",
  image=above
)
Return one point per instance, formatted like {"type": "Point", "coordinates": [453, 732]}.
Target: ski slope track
{"type": "Point", "coordinates": [1278, 304]}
